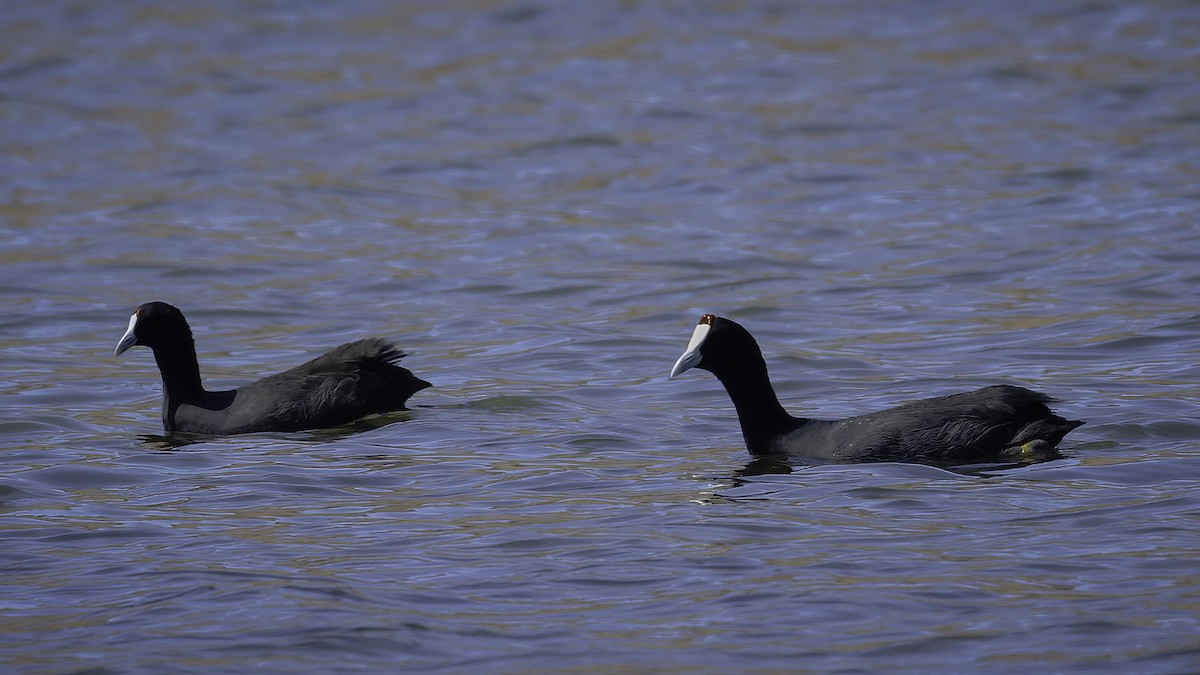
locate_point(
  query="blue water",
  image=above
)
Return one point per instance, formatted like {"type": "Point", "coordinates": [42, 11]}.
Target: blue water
{"type": "Point", "coordinates": [537, 202]}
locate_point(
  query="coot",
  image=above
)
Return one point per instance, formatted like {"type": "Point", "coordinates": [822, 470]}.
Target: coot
{"type": "Point", "coordinates": [351, 381]}
{"type": "Point", "coordinates": [989, 423]}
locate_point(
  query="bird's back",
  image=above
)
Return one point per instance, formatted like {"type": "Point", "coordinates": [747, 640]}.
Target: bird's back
{"type": "Point", "coordinates": [984, 423]}
{"type": "Point", "coordinates": [348, 382]}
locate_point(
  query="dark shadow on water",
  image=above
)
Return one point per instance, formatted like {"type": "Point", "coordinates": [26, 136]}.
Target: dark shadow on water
{"type": "Point", "coordinates": [783, 465]}
{"type": "Point", "coordinates": [356, 427]}
{"type": "Point", "coordinates": [179, 440]}
{"type": "Point", "coordinates": [765, 466]}
{"type": "Point", "coordinates": [986, 469]}
{"type": "Point", "coordinates": [169, 443]}
{"type": "Point", "coordinates": [777, 464]}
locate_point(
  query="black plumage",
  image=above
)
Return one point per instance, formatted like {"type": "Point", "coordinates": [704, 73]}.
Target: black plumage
{"type": "Point", "coordinates": [990, 423]}
{"type": "Point", "coordinates": [348, 382]}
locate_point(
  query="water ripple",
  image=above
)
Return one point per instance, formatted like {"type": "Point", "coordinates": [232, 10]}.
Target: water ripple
{"type": "Point", "coordinates": [537, 202]}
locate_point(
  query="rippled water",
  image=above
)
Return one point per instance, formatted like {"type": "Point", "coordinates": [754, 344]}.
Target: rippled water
{"type": "Point", "coordinates": [538, 200]}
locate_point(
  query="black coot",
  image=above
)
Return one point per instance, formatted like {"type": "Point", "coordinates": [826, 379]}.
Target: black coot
{"type": "Point", "coordinates": [356, 379]}
{"type": "Point", "coordinates": [989, 423]}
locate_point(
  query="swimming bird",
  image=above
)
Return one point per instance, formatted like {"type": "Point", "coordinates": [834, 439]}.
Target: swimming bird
{"type": "Point", "coordinates": [989, 423]}
{"type": "Point", "coordinates": [348, 382]}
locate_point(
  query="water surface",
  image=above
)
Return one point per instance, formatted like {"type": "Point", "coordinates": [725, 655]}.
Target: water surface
{"type": "Point", "coordinates": [537, 201]}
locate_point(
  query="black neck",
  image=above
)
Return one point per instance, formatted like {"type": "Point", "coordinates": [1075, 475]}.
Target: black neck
{"type": "Point", "coordinates": [180, 372]}
{"type": "Point", "coordinates": [758, 408]}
